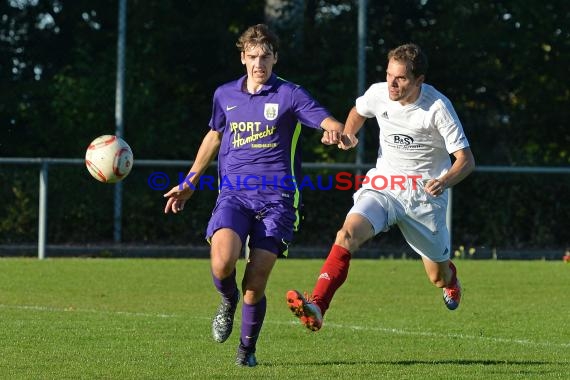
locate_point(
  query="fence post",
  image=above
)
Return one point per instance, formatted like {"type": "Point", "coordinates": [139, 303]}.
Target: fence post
{"type": "Point", "coordinates": [42, 220]}
{"type": "Point", "coordinates": [119, 108]}
{"type": "Point", "coordinates": [448, 217]}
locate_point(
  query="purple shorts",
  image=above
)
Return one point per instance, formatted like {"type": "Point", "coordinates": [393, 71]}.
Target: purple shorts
{"type": "Point", "coordinates": [269, 224]}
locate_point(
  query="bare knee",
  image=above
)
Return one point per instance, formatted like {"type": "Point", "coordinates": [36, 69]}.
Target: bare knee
{"type": "Point", "coordinates": [355, 231]}
{"type": "Point", "coordinates": [346, 239]}
{"type": "Point", "coordinates": [222, 264]}
{"type": "Point", "coordinates": [224, 253]}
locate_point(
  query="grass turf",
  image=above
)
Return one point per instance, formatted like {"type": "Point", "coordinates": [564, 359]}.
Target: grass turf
{"type": "Point", "coordinates": [150, 319]}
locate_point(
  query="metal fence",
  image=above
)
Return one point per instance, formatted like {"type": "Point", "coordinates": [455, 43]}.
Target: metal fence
{"type": "Point", "coordinates": [45, 163]}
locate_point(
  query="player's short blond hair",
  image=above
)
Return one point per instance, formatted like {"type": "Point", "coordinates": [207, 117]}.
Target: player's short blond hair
{"type": "Point", "coordinates": [258, 35]}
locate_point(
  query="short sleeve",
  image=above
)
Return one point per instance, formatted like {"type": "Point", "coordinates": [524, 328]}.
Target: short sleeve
{"type": "Point", "coordinates": [218, 118]}
{"type": "Point", "coordinates": [309, 112]}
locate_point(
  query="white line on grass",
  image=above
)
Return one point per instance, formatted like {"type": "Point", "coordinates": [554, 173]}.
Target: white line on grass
{"type": "Point", "coordinates": [72, 309]}
{"type": "Point", "coordinates": [328, 325]}
{"type": "Point", "coordinates": [449, 336]}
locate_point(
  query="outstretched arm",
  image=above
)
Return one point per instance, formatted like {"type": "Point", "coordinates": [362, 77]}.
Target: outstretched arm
{"type": "Point", "coordinates": [333, 130]}
{"type": "Point", "coordinates": [461, 168]}
{"type": "Point", "coordinates": [354, 121]}
{"type": "Point", "coordinates": [179, 194]}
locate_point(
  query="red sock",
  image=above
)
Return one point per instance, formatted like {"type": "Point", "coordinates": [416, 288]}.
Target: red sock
{"type": "Point", "coordinates": [453, 280]}
{"type": "Point", "coordinates": [333, 274]}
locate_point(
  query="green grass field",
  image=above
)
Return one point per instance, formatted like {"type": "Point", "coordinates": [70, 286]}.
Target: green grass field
{"type": "Point", "coordinates": [150, 319]}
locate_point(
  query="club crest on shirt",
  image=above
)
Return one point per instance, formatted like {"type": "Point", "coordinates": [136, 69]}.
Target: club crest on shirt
{"type": "Point", "coordinates": [271, 111]}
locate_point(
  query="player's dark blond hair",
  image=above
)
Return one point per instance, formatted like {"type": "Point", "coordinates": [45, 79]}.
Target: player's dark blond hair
{"type": "Point", "coordinates": [413, 56]}
{"type": "Point", "coordinates": [258, 35]}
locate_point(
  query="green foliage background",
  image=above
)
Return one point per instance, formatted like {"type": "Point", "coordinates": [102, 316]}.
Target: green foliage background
{"type": "Point", "coordinates": [502, 63]}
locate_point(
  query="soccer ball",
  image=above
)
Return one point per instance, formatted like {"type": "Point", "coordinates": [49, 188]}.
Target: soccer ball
{"type": "Point", "coordinates": [109, 159]}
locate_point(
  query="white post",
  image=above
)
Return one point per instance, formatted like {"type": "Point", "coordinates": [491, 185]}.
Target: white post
{"type": "Point", "coordinates": [448, 216]}
{"type": "Point", "coordinates": [361, 85]}
{"type": "Point", "coordinates": [246, 249]}
{"type": "Point", "coordinates": [42, 218]}
{"type": "Point", "coordinates": [119, 102]}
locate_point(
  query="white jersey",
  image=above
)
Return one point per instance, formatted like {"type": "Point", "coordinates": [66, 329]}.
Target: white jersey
{"type": "Point", "coordinates": [415, 139]}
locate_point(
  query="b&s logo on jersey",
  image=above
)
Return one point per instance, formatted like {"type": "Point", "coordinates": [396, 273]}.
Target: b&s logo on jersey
{"type": "Point", "coordinates": [271, 111]}
{"type": "Point", "coordinates": [400, 141]}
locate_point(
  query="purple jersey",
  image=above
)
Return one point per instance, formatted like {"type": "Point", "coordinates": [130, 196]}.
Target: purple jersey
{"type": "Point", "coordinates": [260, 148]}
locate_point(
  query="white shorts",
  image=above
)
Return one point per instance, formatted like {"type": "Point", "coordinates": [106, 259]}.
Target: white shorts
{"type": "Point", "coordinates": [421, 219]}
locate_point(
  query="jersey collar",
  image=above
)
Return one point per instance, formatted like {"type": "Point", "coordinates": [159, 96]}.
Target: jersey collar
{"type": "Point", "coordinates": [265, 87]}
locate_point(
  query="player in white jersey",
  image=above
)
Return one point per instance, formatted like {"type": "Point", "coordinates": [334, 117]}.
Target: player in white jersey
{"type": "Point", "coordinates": [419, 130]}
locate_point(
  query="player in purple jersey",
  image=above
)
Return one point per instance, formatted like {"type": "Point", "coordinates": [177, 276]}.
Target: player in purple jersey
{"type": "Point", "coordinates": [254, 131]}
{"type": "Point", "coordinates": [419, 130]}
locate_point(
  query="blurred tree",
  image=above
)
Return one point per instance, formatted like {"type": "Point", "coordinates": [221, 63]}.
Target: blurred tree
{"type": "Point", "coordinates": [54, 75]}
{"type": "Point", "coordinates": [502, 63]}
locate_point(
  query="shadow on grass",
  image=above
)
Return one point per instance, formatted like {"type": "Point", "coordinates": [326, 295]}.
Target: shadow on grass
{"type": "Point", "coordinates": [419, 362]}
